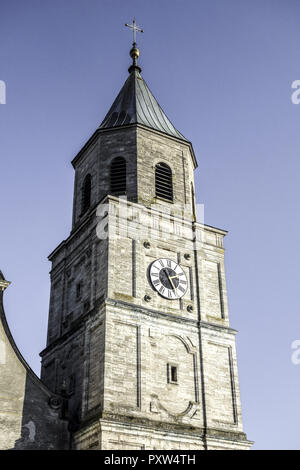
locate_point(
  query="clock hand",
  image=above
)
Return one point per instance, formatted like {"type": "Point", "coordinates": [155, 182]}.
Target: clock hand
{"type": "Point", "coordinates": [170, 279]}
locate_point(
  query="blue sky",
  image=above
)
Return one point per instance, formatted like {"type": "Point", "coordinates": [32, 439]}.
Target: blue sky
{"type": "Point", "coordinates": [222, 71]}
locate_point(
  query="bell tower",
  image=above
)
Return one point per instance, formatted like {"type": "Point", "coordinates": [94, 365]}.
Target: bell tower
{"type": "Point", "coordinates": [138, 332]}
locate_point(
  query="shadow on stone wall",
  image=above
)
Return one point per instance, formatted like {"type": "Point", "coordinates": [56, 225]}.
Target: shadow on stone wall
{"type": "Point", "coordinates": [44, 420]}
{"type": "Point", "coordinates": [31, 416]}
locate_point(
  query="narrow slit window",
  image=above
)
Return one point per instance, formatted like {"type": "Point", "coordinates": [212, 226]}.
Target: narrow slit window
{"type": "Point", "coordinates": [163, 182]}
{"type": "Point", "coordinates": [72, 384]}
{"type": "Point", "coordinates": [172, 372]}
{"type": "Point", "coordinates": [78, 291]}
{"type": "Point", "coordinates": [193, 201]}
{"type": "Point", "coordinates": [86, 194]}
{"type": "Point", "coordinates": [118, 176]}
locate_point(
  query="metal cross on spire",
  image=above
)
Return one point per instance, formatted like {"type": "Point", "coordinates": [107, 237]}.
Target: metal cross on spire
{"type": "Point", "coordinates": [135, 29]}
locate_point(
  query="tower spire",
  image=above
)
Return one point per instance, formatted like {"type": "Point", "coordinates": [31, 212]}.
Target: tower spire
{"type": "Point", "coordinates": [134, 52]}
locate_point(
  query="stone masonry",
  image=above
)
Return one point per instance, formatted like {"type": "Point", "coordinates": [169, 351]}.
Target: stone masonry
{"type": "Point", "coordinates": [112, 346]}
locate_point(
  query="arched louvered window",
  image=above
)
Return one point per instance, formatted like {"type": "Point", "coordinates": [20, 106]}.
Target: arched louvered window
{"type": "Point", "coordinates": [163, 181]}
{"type": "Point", "coordinates": [86, 194]}
{"type": "Point", "coordinates": [118, 176]}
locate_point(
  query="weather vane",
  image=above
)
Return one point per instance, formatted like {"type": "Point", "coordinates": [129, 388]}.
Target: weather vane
{"type": "Point", "coordinates": [135, 29]}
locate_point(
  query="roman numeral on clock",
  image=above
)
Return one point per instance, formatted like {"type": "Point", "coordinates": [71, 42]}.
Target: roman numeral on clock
{"type": "Point", "coordinates": [168, 278]}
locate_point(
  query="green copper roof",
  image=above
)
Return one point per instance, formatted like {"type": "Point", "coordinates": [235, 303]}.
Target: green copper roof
{"type": "Point", "coordinates": [135, 104]}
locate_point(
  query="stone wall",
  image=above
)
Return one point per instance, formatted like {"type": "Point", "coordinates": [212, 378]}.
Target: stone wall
{"type": "Point", "coordinates": [96, 160]}
{"type": "Point", "coordinates": [121, 347]}
{"type": "Point", "coordinates": [153, 148]}
{"type": "Point", "coordinates": [31, 417]}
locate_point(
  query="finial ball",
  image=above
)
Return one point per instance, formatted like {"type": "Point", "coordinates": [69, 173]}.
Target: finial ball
{"type": "Point", "coordinates": [134, 53]}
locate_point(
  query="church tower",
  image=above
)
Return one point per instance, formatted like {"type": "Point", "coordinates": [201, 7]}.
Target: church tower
{"type": "Point", "coordinates": [138, 333]}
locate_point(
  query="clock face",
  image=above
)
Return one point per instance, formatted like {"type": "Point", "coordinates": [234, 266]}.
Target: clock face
{"type": "Point", "coordinates": [168, 278]}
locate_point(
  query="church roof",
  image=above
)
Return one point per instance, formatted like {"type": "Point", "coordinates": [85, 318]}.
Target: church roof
{"type": "Point", "coordinates": [135, 104]}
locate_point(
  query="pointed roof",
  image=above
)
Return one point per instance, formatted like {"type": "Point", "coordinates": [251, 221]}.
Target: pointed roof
{"type": "Point", "coordinates": [135, 104]}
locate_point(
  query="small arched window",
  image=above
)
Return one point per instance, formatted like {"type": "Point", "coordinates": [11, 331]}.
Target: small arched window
{"type": "Point", "coordinates": [118, 176]}
{"type": "Point", "coordinates": [86, 194]}
{"type": "Point", "coordinates": [163, 181]}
